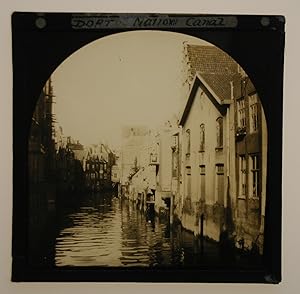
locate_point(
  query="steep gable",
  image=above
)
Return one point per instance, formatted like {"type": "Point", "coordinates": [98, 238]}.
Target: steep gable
{"type": "Point", "coordinates": [212, 96]}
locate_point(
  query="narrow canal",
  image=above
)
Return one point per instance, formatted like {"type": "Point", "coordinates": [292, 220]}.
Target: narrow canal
{"type": "Point", "coordinates": [107, 231]}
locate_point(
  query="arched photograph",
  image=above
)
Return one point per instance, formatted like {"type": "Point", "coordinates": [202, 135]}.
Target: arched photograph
{"type": "Point", "coordinates": [147, 149]}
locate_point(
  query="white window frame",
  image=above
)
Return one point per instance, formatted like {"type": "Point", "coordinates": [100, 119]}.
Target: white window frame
{"type": "Point", "coordinates": [241, 113]}
{"type": "Point", "coordinates": [253, 113]}
{"type": "Point", "coordinates": [254, 172]}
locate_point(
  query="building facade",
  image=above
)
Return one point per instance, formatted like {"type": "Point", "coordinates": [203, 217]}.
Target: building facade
{"type": "Point", "coordinates": [251, 163]}
{"type": "Point", "coordinates": [221, 152]}
{"type": "Point", "coordinates": [97, 164]}
{"type": "Point", "coordinates": [132, 153]}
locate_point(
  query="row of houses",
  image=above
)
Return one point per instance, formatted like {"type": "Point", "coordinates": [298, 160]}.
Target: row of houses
{"type": "Point", "coordinates": [55, 175]}
{"type": "Point", "coordinates": [208, 169]}
{"type": "Point", "coordinates": [41, 161]}
{"type": "Point", "coordinates": [54, 161]}
{"type": "Point", "coordinates": [60, 168]}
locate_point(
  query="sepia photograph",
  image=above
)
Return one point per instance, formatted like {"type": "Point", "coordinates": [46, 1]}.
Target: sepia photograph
{"type": "Point", "coordinates": [148, 154]}
{"type": "Point", "coordinates": [150, 150]}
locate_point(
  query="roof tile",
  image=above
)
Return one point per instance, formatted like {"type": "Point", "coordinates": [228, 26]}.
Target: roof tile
{"type": "Point", "coordinates": [216, 67]}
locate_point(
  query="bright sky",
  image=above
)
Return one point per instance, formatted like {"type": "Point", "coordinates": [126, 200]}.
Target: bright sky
{"type": "Point", "coordinates": [132, 78]}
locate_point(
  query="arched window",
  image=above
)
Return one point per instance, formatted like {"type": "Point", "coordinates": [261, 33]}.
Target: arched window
{"type": "Point", "coordinates": [188, 142]}
{"type": "Point", "coordinates": [202, 137]}
{"type": "Point", "coordinates": [220, 132]}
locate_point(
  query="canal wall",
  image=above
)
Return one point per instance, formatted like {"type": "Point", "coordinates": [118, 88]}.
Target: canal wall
{"type": "Point", "coordinates": [213, 221]}
{"type": "Point", "coordinates": [211, 216]}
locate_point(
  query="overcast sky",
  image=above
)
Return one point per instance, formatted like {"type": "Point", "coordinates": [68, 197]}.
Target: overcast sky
{"type": "Point", "coordinates": [131, 78]}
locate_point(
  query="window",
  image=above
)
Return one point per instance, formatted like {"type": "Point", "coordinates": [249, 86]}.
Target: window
{"type": "Point", "coordinates": [101, 171]}
{"type": "Point", "coordinates": [188, 142]}
{"type": "Point", "coordinates": [188, 182]}
{"type": "Point", "coordinates": [220, 132]}
{"type": "Point", "coordinates": [175, 142]}
{"type": "Point", "coordinates": [175, 156]}
{"type": "Point", "coordinates": [202, 182]}
{"type": "Point", "coordinates": [253, 113]}
{"type": "Point", "coordinates": [202, 137]}
{"type": "Point", "coordinates": [254, 176]}
{"type": "Point", "coordinates": [241, 113]}
{"type": "Point", "coordinates": [220, 183]}
{"type": "Point", "coordinates": [175, 160]}
{"type": "Point", "coordinates": [242, 176]}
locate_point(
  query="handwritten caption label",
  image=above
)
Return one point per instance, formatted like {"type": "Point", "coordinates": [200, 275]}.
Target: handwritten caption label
{"type": "Point", "coordinates": [161, 21]}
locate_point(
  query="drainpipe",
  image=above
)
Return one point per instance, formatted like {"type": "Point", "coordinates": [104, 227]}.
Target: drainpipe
{"type": "Point", "coordinates": [171, 208]}
{"type": "Point", "coordinates": [231, 148]}
{"type": "Point", "coordinates": [228, 116]}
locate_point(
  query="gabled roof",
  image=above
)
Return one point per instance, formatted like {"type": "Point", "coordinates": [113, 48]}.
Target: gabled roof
{"type": "Point", "coordinates": [217, 72]}
{"type": "Point", "coordinates": [218, 69]}
{"type": "Point", "coordinates": [198, 81]}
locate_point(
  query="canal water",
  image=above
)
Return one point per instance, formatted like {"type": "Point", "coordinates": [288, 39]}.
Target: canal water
{"type": "Point", "coordinates": [106, 231]}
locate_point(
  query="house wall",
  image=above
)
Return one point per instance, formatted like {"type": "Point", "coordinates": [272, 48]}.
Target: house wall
{"type": "Point", "coordinates": [165, 167]}
{"type": "Point", "coordinates": [164, 175]}
{"type": "Point", "coordinates": [132, 147]}
{"type": "Point", "coordinates": [249, 217]}
{"type": "Point", "coordinates": [176, 185]}
{"type": "Point", "coordinates": [115, 174]}
{"type": "Point", "coordinates": [241, 217]}
{"type": "Point", "coordinates": [203, 111]}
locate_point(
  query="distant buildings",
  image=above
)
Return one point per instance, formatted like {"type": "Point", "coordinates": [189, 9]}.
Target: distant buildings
{"type": "Point", "coordinates": [70, 182]}
{"type": "Point", "coordinates": [133, 141]}
{"type": "Point", "coordinates": [54, 161]}
{"type": "Point", "coordinates": [98, 161]}
{"type": "Point", "coordinates": [77, 148]}
{"type": "Point", "coordinates": [163, 195]}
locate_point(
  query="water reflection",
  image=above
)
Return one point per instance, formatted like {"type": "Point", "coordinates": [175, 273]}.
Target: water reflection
{"type": "Point", "coordinates": [111, 232]}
